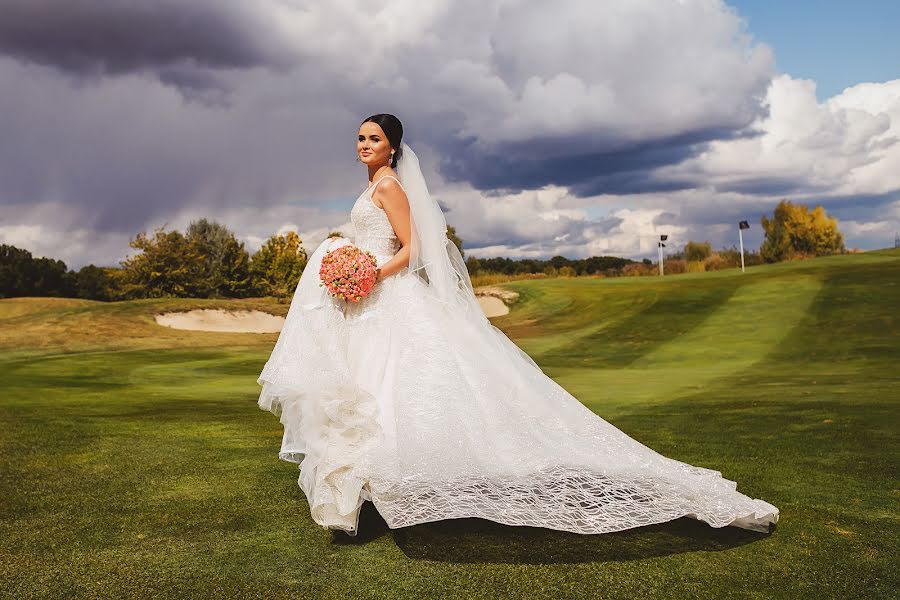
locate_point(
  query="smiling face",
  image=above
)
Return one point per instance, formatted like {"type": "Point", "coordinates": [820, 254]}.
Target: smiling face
{"type": "Point", "coordinates": [372, 145]}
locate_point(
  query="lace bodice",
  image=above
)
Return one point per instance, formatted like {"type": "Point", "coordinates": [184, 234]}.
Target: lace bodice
{"type": "Point", "coordinates": [372, 228]}
{"type": "Point", "coordinates": [432, 413]}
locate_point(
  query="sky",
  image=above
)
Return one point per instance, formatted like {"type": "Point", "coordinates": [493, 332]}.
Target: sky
{"type": "Point", "coordinates": [836, 43]}
{"type": "Point", "coordinates": [566, 128]}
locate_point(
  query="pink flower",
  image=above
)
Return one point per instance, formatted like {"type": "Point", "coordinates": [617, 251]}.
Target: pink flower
{"type": "Point", "coordinates": [348, 272]}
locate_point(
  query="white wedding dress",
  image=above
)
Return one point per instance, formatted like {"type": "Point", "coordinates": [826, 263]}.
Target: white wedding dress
{"type": "Point", "coordinates": [433, 416]}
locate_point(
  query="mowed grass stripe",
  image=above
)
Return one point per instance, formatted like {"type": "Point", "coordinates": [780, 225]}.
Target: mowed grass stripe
{"type": "Point", "coordinates": [134, 462]}
{"type": "Point", "coordinates": [742, 331]}
{"type": "Point", "coordinates": [632, 324]}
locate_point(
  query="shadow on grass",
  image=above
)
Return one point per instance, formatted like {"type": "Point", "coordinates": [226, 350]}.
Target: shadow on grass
{"type": "Point", "coordinates": [483, 541]}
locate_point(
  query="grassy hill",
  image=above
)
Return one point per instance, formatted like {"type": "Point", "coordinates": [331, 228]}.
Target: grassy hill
{"type": "Point", "coordinates": [134, 461]}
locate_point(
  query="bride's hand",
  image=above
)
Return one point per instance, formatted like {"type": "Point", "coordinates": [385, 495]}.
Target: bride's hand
{"type": "Point", "coordinates": [378, 276]}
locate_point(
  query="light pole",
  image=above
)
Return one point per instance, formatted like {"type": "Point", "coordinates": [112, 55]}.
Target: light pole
{"type": "Point", "coordinates": [741, 227]}
{"type": "Point", "coordinates": [659, 247]}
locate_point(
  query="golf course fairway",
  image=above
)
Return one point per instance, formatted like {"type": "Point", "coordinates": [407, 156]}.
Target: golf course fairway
{"type": "Point", "coordinates": [135, 463]}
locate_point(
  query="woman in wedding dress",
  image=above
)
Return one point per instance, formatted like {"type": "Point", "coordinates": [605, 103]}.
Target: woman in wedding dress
{"type": "Point", "coordinates": [413, 400]}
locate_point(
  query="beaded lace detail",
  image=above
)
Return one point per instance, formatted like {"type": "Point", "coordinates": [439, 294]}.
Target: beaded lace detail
{"type": "Point", "coordinates": [431, 415]}
{"type": "Point", "coordinates": [372, 228]}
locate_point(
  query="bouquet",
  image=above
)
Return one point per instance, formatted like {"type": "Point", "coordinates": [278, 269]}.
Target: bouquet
{"type": "Point", "coordinates": [348, 272]}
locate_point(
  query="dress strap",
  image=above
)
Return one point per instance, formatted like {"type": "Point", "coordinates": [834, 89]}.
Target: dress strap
{"type": "Point", "coordinates": [372, 189]}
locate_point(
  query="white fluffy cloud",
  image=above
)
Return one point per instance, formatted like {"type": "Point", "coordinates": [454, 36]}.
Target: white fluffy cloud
{"type": "Point", "coordinates": [848, 145]}
{"type": "Point", "coordinates": [512, 71]}
{"type": "Point", "coordinates": [546, 128]}
{"type": "Point", "coordinates": [843, 153]}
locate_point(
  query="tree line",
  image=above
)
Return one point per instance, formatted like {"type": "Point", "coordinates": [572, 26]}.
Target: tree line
{"type": "Point", "coordinates": [207, 261]}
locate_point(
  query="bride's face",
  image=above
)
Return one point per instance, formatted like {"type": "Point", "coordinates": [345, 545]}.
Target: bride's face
{"type": "Point", "coordinates": [372, 145]}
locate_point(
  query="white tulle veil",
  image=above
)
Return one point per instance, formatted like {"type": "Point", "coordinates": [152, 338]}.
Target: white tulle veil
{"type": "Point", "coordinates": [433, 256]}
{"type": "Point", "coordinates": [432, 413]}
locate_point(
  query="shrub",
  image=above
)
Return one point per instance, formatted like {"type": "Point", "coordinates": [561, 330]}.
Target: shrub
{"type": "Point", "coordinates": [675, 266]}
{"type": "Point", "coordinates": [695, 266]}
{"type": "Point", "coordinates": [717, 261]}
{"type": "Point", "coordinates": [697, 251]}
{"type": "Point", "coordinates": [638, 270]}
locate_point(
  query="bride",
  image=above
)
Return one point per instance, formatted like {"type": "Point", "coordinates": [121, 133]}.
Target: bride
{"type": "Point", "coordinates": [413, 400]}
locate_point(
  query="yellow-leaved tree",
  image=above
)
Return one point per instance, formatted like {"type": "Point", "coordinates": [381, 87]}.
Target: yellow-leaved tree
{"type": "Point", "coordinates": [276, 267]}
{"type": "Point", "coordinates": [794, 231]}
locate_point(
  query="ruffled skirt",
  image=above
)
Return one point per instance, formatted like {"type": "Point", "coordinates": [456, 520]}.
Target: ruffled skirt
{"type": "Point", "coordinates": [434, 415]}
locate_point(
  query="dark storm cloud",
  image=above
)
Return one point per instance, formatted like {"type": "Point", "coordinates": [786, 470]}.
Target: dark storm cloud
{"type": "Point", "coordinates": [118, 154]}
{"type": "Point", "coordinates": [765, 185]}
{"type": "Point", "coordinates": [702, 213]}
{"type": "Point", "coordinates": [196, 84]}
{"type": "Point", "coordinates": [627, 182]}
{"type": "Point", "coordinates": [148, 156]}
{"type": "Point", "coordinates": [626, 169]}
{"type": "Point", "coordinates": [118, 36]}
{"type": "Point", "coordinates": [97, 141]}
{"type": "Point", "coordinates": [849, 207]}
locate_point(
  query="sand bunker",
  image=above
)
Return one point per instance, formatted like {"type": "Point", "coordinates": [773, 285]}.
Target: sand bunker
{"type": "Point", "coordinates": [492, 302]}
{"type": "Point", "coordinates": [245, 321]}
{"type": "Point", "coordinates": [495, 301]}
{"type": "Point", "coordinates": [492, 307]}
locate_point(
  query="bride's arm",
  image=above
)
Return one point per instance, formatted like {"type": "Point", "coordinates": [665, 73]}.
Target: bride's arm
{"type": "Point", "coordinates": [394, 202]}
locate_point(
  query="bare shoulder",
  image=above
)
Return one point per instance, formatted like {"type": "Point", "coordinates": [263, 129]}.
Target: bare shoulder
{"type": "Point", "coordinates": [389, 191]}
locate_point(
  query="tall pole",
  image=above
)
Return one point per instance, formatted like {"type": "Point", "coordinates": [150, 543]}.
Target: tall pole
{"type": "Point", "coordinates": [742, 225]}
{"type": "Point", "coordinates": [659, 251]}
{"type": "Point", "coordinates": [660, 246]}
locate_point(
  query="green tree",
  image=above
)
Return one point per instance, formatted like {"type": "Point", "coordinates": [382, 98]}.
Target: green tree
{"type": "Point", "coordinates": [225, 263]}
{"type": "Point", "coordinates": [52, 278]}
{"type": "Point", "coordinates": [117, 282]}
{"type": "Point", "coordinates": [558, 262]}
{"type": "Point", "coordinates": [795, 232]}
{"type": "Point", "coordinates": [276, 267]}
{"type": "Point", "coordinates": [168, 264]}
{"type": "Point", "coordinates": [99, 283]}
{"type": "Point", "coordinates": [14, 264]}
{"type": "Point", "coordinates": [93, 283]}
{"type": "Point", "coordinates": [23, 275]}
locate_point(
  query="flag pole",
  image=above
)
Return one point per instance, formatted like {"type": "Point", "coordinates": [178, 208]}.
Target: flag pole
{"type": "Point", "coordinates": [741, 227]}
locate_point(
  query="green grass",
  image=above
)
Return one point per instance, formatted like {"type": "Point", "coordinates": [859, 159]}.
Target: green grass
{"type": "Point", "coordinates": [134, 461]}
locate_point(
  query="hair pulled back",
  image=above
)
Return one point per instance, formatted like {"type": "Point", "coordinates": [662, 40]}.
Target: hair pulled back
{"type": "Point", "coordinates": [393, 129]}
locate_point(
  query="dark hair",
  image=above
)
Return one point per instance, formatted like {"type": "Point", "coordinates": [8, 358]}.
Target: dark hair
{"type": "Point", "coordinates": [393, 129]}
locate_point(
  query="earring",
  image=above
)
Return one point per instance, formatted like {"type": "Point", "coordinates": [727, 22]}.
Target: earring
{"type": "Point", "coordinates": [357, 158]}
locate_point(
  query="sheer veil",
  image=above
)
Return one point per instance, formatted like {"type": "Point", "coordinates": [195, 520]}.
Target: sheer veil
{"type": "Point", "coordinates": [431, 412]}
{"type": "Point", "coordinates": [433, 256]}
